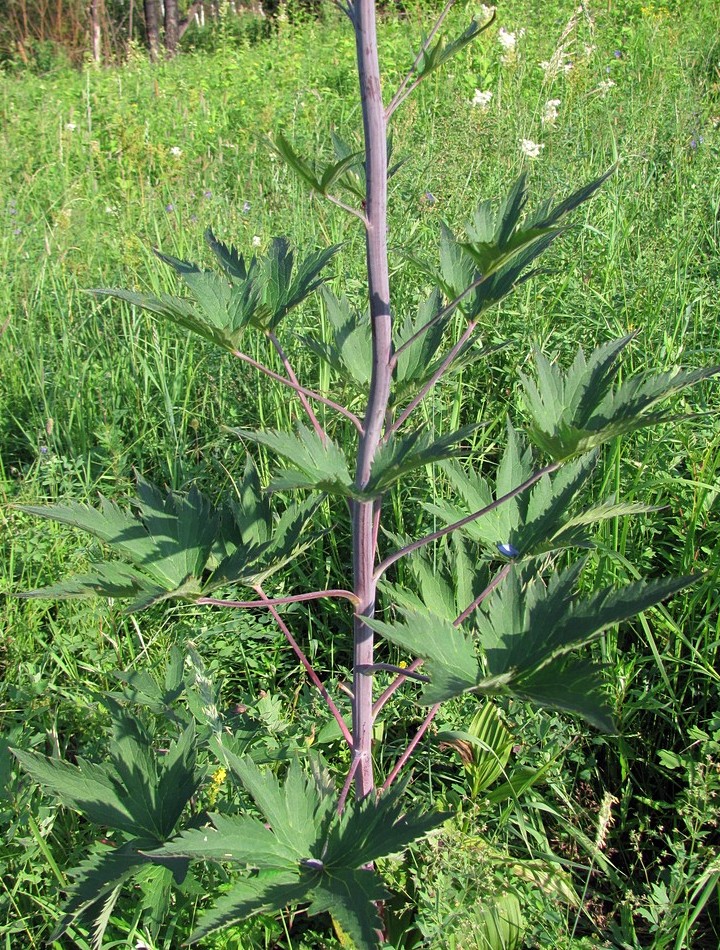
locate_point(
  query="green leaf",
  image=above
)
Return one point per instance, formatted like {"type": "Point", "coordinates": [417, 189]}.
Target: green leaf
{"type": "Point", "coordinates": [308, 854]}
{"type": "Point", "coordinates": [181, 547]}
{"type": "Point", "coordinates": [403, 454]}
{"type": "Point", "coordinates": [312, 462]}
{"type": "Point", "coordinates": [257, 293]}
{"type": "Point", "coordinates": [574, 686]}
{"type": "Point", "coordinates": [541, 519]}
{"type": "Point", "coordinates": [94, 790]}
{"type": "Point", "coordinates": [524, 626]}
{"type": "Point", "coordinates": [576, 411]}
{"type": "Point", "coordinates": [100, 875]}
{"type": "Point", "coordinates": [268, 892]}
{"type": "Point", "coordinates": [301, 167]}
{"type": "Point", "coordinates": [349, 351]}
{"type": "Point", "coordinates": [501, 246]}
{"type": "Point", "coordinates": [439, 53]}
{"type": "Point", "coordinates": [485, 747]}
{"type": "Point", "coordinates": [449, 655]}
{"type": "Point", "coordinates": [351, 898]}
{"type": "Point", "coordinates": [417, 363]}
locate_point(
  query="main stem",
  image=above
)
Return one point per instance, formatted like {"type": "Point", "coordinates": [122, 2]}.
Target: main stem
{"type": "Point", "coordinates": [364, 537]}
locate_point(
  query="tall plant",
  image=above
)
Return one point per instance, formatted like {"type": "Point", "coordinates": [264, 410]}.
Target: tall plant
{"type": "Point", "coordinates": [501, 612]}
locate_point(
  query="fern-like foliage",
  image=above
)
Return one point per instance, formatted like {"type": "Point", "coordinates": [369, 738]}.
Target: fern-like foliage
{"type": "Point", "coordinates": [301, 851]}
{"type": "Point", "coordinates": [575, 411]}
{"type": "Point", "coordinates": [180, 547]}
{"type": "Point", "coordinates": [256, 292]}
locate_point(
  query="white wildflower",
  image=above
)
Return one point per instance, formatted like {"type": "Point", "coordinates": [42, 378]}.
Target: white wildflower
{"type": "Point", "coordinates": [481, 99]}
{"type": "Point", "coordinates": [550, 112]}
{"type": "Point", "coordinates": [176, 151]}
{"type": "Point", "coordinates": [70, 126]}
{"type": "Point", "coordinates": [507, 40]}
{"type": "Point", "coordinates": [530, 148]}
{"type": "Point", "coordinates": [256, 241]}
{"type": "Point", "coordinates": [111, 209]}
{"type": "Point", "coordinates": [605, 86]}
{"type": "Point", "coordinates": [589, 49]}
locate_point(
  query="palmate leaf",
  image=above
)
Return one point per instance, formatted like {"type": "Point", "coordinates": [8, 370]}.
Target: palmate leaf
{"type": "Point", "coordinates": [258, 292]}
{"type": "Point", "coordinates": [180, 546]}
{"type": "Point", "coordinates": [522, 628]}
{"type": "Point", "coordinates": [576, 411]}
{"type": "Point", "coordinates": [133, 791]}
{"type": "Point", "coordinates": [313, 463]}
{"type": "Point", "coordinates": [545, 517]}
{"type": "Point", "coordinates": [403, 454]}
{"type": "Point", "coordinates": [502, 245]}
{"type": "Point", "coordinates": [306, 853]}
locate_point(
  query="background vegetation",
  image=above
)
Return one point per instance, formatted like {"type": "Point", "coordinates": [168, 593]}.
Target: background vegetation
{"type": "Point", "coordinates": [99, 166]}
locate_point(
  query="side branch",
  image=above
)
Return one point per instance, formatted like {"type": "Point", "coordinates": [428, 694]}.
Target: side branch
{"type": "Point", "coordinates": [347, 735]}
{"type": "Point", "coordinates": [438, 316]}
{"type": "Point", "coordinates": [320, 432]}
{"type": "Point", "coordinates": [402, 94]}
{"type": "Point", "coordinates": [349, 208]}
{"type": "Point", "coordinates": [397, 768]}
{"type": "Point", "coordinates": [498, 579]}
{"type": "Point", "coordinates": [408, 549]}
{"type": "Point", "coordinates": [275, 601]}
{"type": "Point", "coordinates": [438, 374]}
{"type": "Point", "coordinates": [300, 389]}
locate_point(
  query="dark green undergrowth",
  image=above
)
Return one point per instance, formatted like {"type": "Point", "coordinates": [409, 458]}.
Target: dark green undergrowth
{"type": "Point", "coordinates": [612, 841]}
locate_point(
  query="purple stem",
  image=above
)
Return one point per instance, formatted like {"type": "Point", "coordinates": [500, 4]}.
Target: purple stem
{"type": "Point", "coordinates": [378, 278]}
{"type": "Point", "coordinates": [273, 601]}
{"type": "Point", "coordinates": [299, 389]}
{"type": "Point", "coordinates": [397, 768]}
{"type": "Point", "coordinates": [308, 667]}
{"type": "Point", "coordinates": [408, 549]}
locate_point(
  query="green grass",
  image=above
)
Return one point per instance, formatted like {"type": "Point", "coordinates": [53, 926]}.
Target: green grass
{"type": "Point", "coordinates": [91, 391]}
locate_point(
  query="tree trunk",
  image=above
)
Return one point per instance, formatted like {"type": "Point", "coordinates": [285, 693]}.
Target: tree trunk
{"type": "Point", "coordinates": [152, 27]}
{"type": "Point", "coordinates": [172, 27]}
{"type": "Point", "coordinates": [95, 36]}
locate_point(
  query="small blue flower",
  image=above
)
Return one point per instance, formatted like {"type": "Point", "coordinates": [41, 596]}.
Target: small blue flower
{"type": "Point", "coordinates": [246, 207]}
{"type": "Point", "coordinates": [507, 550]}
{"type": "Point", "coordinates": [207, 193]}
{"type": "Point", "coordinates": [617, 54]}
{"type": "Point", "coordinates": [170, 207]}
{"type": "Point", "coordinates": [43, 450]}
{"type": "Point", "coordinates": [17, 232]}
{"type": "Point", "coordinates": [429, 197]}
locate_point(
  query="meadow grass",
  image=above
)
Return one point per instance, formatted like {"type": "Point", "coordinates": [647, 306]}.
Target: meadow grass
{"type": "Point", "coordinates": [91, 180]}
